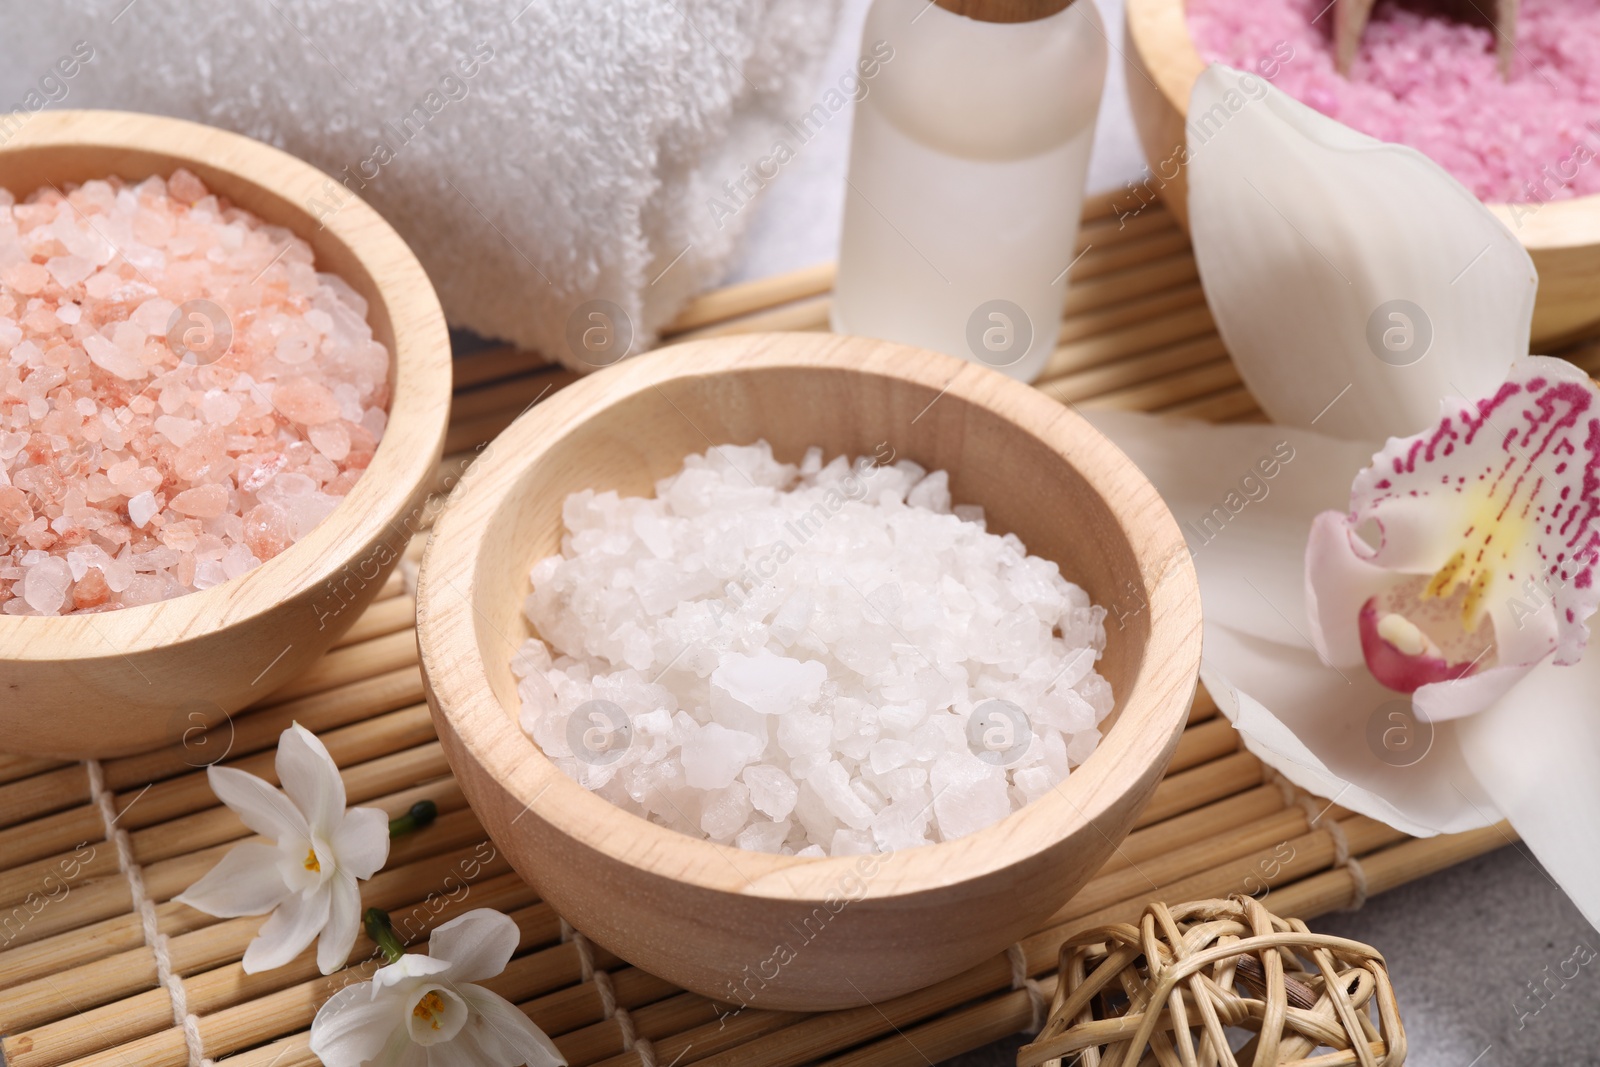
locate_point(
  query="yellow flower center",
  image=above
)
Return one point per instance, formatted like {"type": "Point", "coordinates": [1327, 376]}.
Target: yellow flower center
{"type": "Point", "coordinates": [1492, 533]}
{"type": "Point", "coordinates": [311, 861]}
{"type": "Point", "coordinates": [429, 1009]}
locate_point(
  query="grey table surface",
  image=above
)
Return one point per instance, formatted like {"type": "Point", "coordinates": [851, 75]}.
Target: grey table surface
{"type": "Point", "coordinates": [1465, 946]}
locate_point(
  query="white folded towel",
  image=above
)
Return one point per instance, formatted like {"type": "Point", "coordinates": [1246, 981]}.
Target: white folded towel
{"type": "Point", "coordinates": [537, 158]}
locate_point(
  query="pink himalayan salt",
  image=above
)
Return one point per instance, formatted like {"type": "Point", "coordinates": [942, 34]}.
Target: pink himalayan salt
{"type": "Point", "coordinates": [1429, 80]}
{"type": "Point", "coordinates": [129, 475]}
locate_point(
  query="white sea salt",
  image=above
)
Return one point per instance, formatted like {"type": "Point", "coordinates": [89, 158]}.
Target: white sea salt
{"type": "Point", "coordinates": [815, 659]}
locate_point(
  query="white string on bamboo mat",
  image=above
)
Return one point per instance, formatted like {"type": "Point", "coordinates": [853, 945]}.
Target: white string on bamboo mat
{"type": "Point", "coordinates": [169, 980]}
{"type": "Point", "coordinates": [1316, 811]}
{"type": "Point", "coordinates": [1037, 1001]}
{"type": "Point", "coordinates": [631, 1041]}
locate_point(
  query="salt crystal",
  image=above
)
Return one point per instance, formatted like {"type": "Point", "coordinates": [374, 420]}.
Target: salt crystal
{"type": "Point", "coordinates": [142, 507]}
{"type": "Point", "coordinates": [802, 651]}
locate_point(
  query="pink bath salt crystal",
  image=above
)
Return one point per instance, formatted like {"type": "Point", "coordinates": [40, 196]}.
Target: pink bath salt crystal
{"type": "Point", "coordinates": [45, 585]}
{"type": "Point", "coordinates": [266, 531]}
{"type": "Point", "coordinates": [107, 356]}
{"type": "Point", "coordinates": [90, 591]}
{"type": "Point", "coordinates": [142, 508]}
{"type": "Point", "coordinates": [201, 502]}
{"type": "Point", "coordinates": [303, 401]}
{"type": "Point", "coordinates": [184, 187]}
{"type": "Point", "coordinates": [332, 440]}
{"type": "Point", "coordinates": [15, 511]}
{"type": "Point", "coordinates": [26, 278]}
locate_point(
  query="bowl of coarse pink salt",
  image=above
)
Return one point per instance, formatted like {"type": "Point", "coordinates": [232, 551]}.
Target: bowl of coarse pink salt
{"type": "Point", "coordinates": [222, 407]}
{"type": "Point", "coordinates": [799, 669]}
{"type": "Point", "coordinates": [1525, 143]}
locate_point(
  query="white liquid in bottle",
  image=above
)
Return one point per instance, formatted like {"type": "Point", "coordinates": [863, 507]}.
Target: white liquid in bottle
{"type": "Point", "coordinates": [967, 168]}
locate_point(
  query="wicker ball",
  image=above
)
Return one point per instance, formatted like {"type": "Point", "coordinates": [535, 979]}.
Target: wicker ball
{"type": "Point", "coordinates": [1167, 991]}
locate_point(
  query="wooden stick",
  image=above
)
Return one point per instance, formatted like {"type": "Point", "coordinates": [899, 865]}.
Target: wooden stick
{"type": "Point", "coordinates": [384, 617]}
{"type": "Point", "coordinates": [519, 392]}
{"type": "Point", "coordinates": [1126, 373]}
{"type": "Point", "coordinates": [734, 301]}
{"type": "Point", "coordinates": [1172, 389]}
{"type": "Point", "coordinates": [1217, 407]}
{"type": "Point", "coordinates": [258, 730]}
{"type": "Point", "coordinates": [1129, 312]}
{"type": "Point", "coordinates": [492, 364]}
{"type": "Point", "coordinates": [13, 767]}
{"type": "Point", "coordinates": [1087, 294]}
{"type": "Point", "coordinates": [808, 314]}
{"type": "Point", "coordinates": [351, 664]}
{"type": "Point", "coordinates": [50, 835]}
{"type": "Point", "coordinates": [1180, 325]}
{"type": "Point", "coordinates": [1121, 256]}
{"type": "Point", "coordinates": [470, 433]}
{"type": "Point", "coordinates": [28, 798]}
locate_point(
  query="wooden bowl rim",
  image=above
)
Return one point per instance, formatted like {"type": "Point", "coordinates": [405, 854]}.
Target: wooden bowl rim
{"type": "Point", "coordinates": [1149, 716]}
{"type": "Point", "coordinates": [404, 459]}
{"type": "Point", "coordinates": [1160, 28]}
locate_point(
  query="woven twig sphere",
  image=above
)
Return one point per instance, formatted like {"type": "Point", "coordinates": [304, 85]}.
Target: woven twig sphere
{"type": "Point", "coordinates": [1164, 993]}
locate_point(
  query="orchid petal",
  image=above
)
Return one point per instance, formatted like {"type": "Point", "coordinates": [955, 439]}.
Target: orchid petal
{"type": "Point", "coordinates": [292, 926]}
{"type": "Point", "coordinates": [477, 944]}
{"type": "Point", "coordinates": [1322, 731]}
{"type": "Point", "coordinates": [1534, 754]}
{"type": "Point", "coordinates": [501, 1028]}
{"type": "Point", "coordinates": [361, 844]}
{"type": "Point", "coordinates": [1495, 507]}
{"type": "Point", "coordinates": [352, 1028]}
{"type": "Point", "coordinates": [1309, 236]}
{"type": "Point", "coordinates": [311, 779]}
{"type": "Point", "coordinates": [262, 807]}
{"type": "Point", "coordinates": [244, 882]}
{"type": "Point", "coordinates": [1244, 496]}
{"type": "Point", "coordinates": [344, 922]}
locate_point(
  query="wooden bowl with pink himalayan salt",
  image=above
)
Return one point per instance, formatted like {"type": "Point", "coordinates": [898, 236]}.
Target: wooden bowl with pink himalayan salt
{"type": "Point", "coordinates": [235, 412]}
{"type": "Point", "coordinates": [1276, 38]}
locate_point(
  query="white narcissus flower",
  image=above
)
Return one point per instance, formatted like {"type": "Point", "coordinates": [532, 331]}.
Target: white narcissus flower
{"type": "Point", "coordinates": [428, 1011]}
{"type": "Point", "coordinates": [1397, 578]}
{"type": "Point", "coordinates": [307, 876]}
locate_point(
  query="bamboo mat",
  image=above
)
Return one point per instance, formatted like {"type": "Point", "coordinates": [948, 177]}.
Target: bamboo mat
{"type": "Point", "coordinates": [83, 985]}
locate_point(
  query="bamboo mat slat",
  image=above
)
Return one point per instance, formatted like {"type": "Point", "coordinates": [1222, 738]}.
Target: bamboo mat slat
{"type": "Point", "coordinates": [82, 986]}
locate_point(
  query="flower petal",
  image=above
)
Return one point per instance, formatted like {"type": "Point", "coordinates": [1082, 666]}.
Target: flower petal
{"type": "Point", "coordinates": [288, 930]}
{"type": "Point", "coordinates": [263, 807]}
{"type": "Point", "coordinates": [311, 779]}
{"type": "Point", "coordinates": [500, 1027]}
{"type": "Point", "coordinates": [1245, 497]}
{"type": "Point", "coordinates": [1534, 753]}
{"type": "Point", "coordinates": [1326, 733]}
{"type": "Point", "coordinates": [406, 971]}
{"type": "Point", "coordinates": [353, 1026]}
{"type": "Point", "coordinates": [344, 922]}
{"type": "Point", "coordinates": [477, 944]}
{"type": "Point", "coordinates": [1310, 236]}
{"type": "Point", "coordinates": [361, 843]}
{"type": "Point", "coordinates": [244, 882]}
{"type": "Point", "coordinates": [1500, 499]}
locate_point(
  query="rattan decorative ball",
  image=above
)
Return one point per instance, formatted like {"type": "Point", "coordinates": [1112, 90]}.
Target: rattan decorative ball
{"type": "Point", "coordinates": [1169, 990]}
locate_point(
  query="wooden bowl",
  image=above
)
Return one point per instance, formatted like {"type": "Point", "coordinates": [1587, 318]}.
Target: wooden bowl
{"type": "Point", "coordinates": [711, 917]}
{"type": "Point", "coordinates": [1562, 236]}
{"type": "Point", "coordinates": [137, 678]}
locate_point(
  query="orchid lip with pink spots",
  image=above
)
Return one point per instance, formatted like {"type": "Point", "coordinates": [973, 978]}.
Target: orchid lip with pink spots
{"type": "Point", "coordinates": [1501, 497]}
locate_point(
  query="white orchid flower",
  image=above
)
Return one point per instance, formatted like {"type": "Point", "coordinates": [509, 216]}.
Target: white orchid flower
{"type": "Point", "coordinates": [1397, 577]}
{"type": "Point", "coordinates": [428, 1011]}
{"type": "Point", "coordinates": [307, 877]}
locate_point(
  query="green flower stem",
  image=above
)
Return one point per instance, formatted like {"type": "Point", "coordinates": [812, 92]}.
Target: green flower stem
{"type": "Point", "coordinates": [421, 814]}
{"type": "Point", "coordinates": [376, 921]}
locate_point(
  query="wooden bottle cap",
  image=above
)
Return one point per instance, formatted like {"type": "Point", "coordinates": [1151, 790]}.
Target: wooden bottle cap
{"type": "Point", "coordinates": [1351, 19]}
{"type": "Point", "coordinates": [1005, 10]}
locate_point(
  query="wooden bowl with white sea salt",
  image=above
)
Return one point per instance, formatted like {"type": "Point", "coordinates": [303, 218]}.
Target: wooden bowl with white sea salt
{"type": "Point", "coordinates": [180, 541]}
{"type": "Point", "coordinates": [765, 927]}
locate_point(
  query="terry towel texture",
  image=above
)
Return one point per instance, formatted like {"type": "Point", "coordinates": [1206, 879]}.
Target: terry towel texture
{"type": "Point", "coordinates": [536, 157]}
